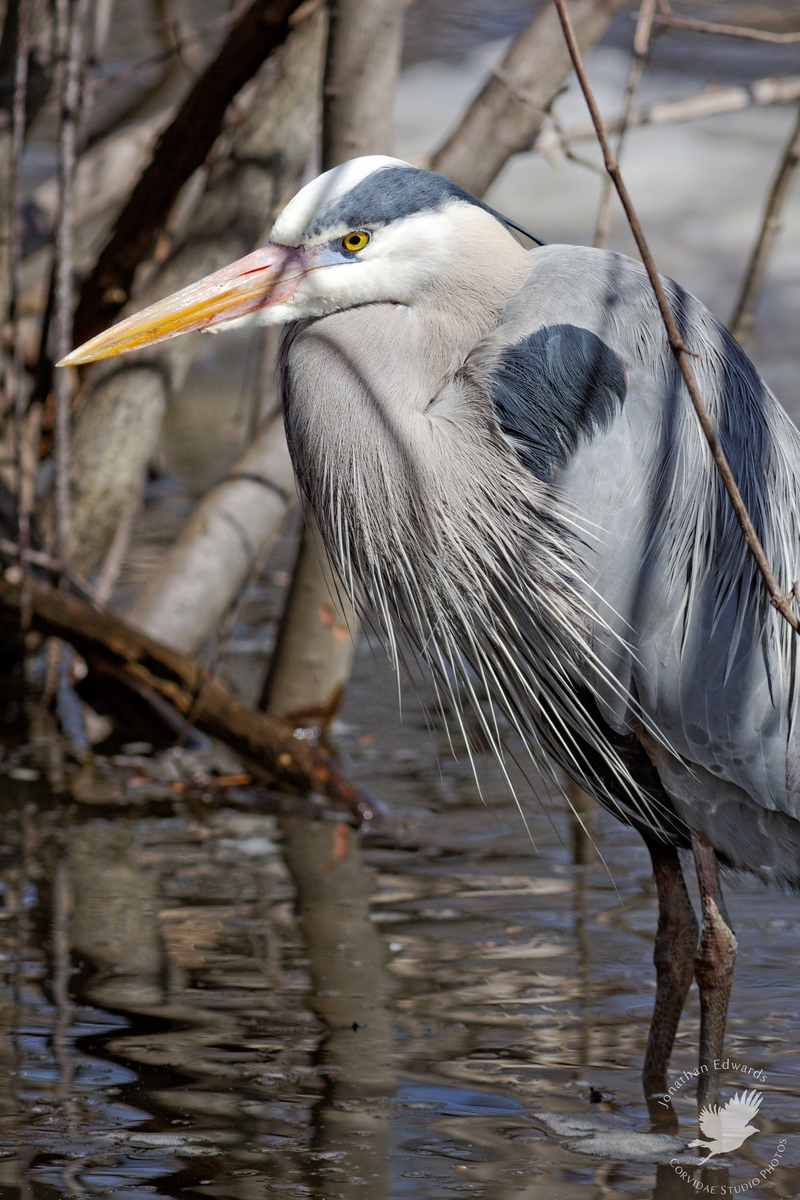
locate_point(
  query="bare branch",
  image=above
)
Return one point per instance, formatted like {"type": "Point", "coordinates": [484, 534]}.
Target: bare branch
{"type": "Point", "coordinates": [181, 149]}
{"type": "Point", "coordinates": [682, 353]}
{"type": "Point", "coordinates": [744, 312]}
{"type": "Point", "coordinates": [17, 380]}
{"type": "Point", "coordinates": [508, 112]}
{"type": "Point", "coordinates": [641, 48]}
{"type": "Point", "coordinates": [757, 35]}
{"type": "Point", "coordinates": [232, 619]}
{"type": "Point", "coordinates": [154, 60]}
{"type": "Point", "coordinates": [63, 292]}
{"type": "Point", "coordinates": [101, 24]}
{"type": "Point", "coordinates": [711, 102]}
{"type": "Point", "coordinates": [120, 414]}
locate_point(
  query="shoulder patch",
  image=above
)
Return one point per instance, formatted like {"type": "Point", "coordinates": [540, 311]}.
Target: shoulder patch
{"type": "Point", "coordinates": [555, 385]}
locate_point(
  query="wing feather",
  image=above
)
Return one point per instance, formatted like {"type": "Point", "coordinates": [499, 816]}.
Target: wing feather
{"type": "Point", "coordinates": [602, 413]}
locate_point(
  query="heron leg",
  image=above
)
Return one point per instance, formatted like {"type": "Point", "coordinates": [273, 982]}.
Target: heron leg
{"type": "Point", "coordinates": [713, 968]}
{"type": "Point", "coordinates": [673, 955]}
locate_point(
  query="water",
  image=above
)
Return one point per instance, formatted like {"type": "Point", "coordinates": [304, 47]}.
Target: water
{"type": "Point", "coordinates": [201, 1000]}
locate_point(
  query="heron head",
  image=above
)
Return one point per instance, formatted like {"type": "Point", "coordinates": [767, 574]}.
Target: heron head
{"type": "Point", "coordinates": [373, 230]}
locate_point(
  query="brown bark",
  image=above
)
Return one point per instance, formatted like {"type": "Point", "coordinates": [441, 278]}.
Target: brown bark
{"type": "Point", "coordinates": [181, 149]}
{"type": "Point", "coordinates": [109, 645]}
{"type": "Point", "coordinates": [508, 112]}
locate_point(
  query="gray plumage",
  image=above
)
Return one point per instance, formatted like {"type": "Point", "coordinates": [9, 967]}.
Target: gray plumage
{"type": "Point", "coordinates": [563, 537]}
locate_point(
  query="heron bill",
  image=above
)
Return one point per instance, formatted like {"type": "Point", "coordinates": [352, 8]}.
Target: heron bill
{"type": "Point", "coordinates": [270, 275]}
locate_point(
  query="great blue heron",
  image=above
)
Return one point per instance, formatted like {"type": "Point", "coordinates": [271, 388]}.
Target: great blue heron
{"type": "Point", "coordinates": [502, 458]}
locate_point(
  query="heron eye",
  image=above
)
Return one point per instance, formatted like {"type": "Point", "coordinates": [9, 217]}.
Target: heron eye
{"type": "Point", "coordinates": [356, 240]}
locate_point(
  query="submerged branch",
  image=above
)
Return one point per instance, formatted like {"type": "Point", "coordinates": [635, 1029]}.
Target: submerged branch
{"type": "Point", "coordinates": [112, 647]}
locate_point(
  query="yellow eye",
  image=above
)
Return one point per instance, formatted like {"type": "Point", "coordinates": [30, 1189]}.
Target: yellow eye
{"type": "Point", "coordinates": [356, 240]}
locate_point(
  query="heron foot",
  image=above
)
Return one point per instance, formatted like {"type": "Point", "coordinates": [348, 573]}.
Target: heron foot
{"type": "Point", "coordinates": [673, 956]}
{"type": "Point", "coordinates": [713, 968]}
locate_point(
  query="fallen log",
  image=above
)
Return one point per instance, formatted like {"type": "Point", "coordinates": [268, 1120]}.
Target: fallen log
{"type": "Point", "coordinates": [110, 646]}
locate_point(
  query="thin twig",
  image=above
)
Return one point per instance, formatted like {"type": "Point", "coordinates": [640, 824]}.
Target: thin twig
{"type": "Point", "coordinates": [711, 102]}
{"type": "Point", "coordinates": [567, 151]}
{"type": "Point", "coordinates": [682, 353]}
{"type": "Point", "coordinates": [18, 367]}
{"type": "Point", "coordinates": [641, 48]}
{"type": "Point", "coordinates": [64, 298]}
{"type": "Point", "coordinates": [39, 558]}
{"type": "Point", "coordinates": [28, 462]}
{"type": "Point", "coordinates": [743, 31]}
{"type": "Point", "coordinates": [744, 311]}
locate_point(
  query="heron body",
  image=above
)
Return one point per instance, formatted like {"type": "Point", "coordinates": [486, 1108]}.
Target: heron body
{"type": "Point", "coordinates": [503, 461]}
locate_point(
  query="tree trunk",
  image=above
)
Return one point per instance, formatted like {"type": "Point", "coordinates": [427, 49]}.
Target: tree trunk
{"type": "Point", "coordinates": [364, 47]}
{"type": "Point", "coordinates": [317, 635]}
{"type": "Point", "coordinates": [508, 112]}
{"type": "Point", "coordinates": [215, 552]}
{"type": "Point", "coordinates": [314, 647]}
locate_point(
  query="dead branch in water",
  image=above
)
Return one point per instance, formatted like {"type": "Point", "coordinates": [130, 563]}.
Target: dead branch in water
{"type": "Point", "coordinates": [111, 647]}
{"type": "Point", "coordinates": [780, 601]}
{"type": "Point", "coordinates": [744, 311]}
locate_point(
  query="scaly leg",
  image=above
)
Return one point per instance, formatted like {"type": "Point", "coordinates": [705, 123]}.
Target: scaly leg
{"type": "Point", "coordinates": [673, 955]}
{"type": "Point", "coordinates": [713, 968]}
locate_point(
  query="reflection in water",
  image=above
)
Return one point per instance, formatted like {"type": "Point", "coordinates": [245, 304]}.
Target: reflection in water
{"type": "Point", "coordinates": [349, 992]}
